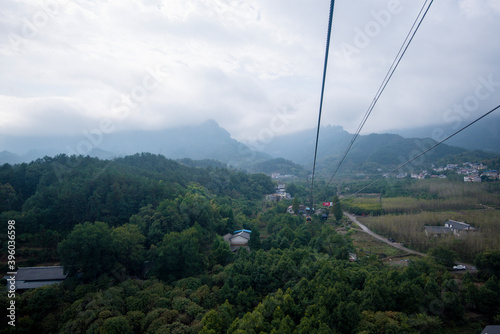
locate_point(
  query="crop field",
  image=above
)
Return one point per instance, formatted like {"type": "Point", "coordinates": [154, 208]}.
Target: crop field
{"type": "Point", "coordinates": [367, 245]}
{"type": "Point", "coordinates": [431, 203]}
{"type": "Point", "coordinates": [409, 229]}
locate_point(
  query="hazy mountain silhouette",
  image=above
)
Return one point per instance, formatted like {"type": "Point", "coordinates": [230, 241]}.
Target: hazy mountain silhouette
{"type": "Point", "coordinates": [483, 135]}
{"type": "Point", "coordinates": [205, 141]}
{"type": "Point", "coordinates": [369, 152]}
{"type": "Point", "coordinates": [209, 142]}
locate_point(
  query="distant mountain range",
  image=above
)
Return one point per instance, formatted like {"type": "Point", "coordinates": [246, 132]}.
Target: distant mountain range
{"type": "Point", "coordinates": [209, 145]}
{"type": "Point", "coordinates": [483, 135]}
{"type": "Point", "coordinates": [368, 153]}
{"type": "Point", "coordinates": [205, 141]}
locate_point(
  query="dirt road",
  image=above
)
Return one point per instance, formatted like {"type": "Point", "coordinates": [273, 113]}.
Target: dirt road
{"type": "Point", "coordinates": [381, 238]}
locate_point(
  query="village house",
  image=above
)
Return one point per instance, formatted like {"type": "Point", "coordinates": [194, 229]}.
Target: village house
{"type": "Point", "coordinates": [458, 228]}
{"type": "Point", "coordinates": [301, 211]}
{"type": "Point", "coordinates": [238, 239]}
{"type": "Point", "coordinates": [280, 194]}
{"type": "Point", "coordinates": [419, 176]}
{"type": "Point", "coordinates": [491, 174]}
{"type": "Point", "coordinates": [279, 176]}
{"type": "Point", "coordinates": [437, 231]}
{"type": "Point", "coordinates": [480, 166]}
{"type": "Point", "coordinates": [472, 178]}
{"type": "Point", "coordinates": [451, 227]}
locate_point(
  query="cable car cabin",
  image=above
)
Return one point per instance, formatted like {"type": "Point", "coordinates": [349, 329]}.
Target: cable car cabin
{"type": "Point", "coordinates": [308, 218]}
{"type": "Point", "coordinates": [324, 216]}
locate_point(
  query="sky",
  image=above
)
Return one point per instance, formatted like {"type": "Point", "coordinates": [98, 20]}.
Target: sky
{"type": "Point", "coordinates": [255, 67]}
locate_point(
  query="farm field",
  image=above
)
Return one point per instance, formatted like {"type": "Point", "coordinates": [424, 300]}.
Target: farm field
{"type": "Point", "coordinates": [367, 245]}
{"type": "Point", "coordinates": [432, 203]}
{"type": "Point", "coordinates": [409, 229]}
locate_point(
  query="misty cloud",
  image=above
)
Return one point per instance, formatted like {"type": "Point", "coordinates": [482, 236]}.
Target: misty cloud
{"type": "Point", "coordinates": [238, 63]}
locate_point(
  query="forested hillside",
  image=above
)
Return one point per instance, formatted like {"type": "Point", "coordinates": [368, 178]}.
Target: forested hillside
{"type": "Point", "coordinates": [58, 193]}
{"type": "Point", "coordinates": [141, 239]}
{"type": "Point", "coordinates": [368, 153]}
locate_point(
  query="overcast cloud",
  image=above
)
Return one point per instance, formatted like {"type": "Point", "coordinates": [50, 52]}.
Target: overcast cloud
{"type": "Point", "coordinates": [150, 64]}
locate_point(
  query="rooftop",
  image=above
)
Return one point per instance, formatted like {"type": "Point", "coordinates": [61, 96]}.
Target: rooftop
{"type": "Point", "coordinates": [35, 277]}
{"type": "Point", "coordinates": [491, 330]}
{"type": "Point", "coordinates": [40, 273]}
{"type": "Point", "coordinates": [458, 225]}
{"type": "Point", "coordinates": [437, 229]}
{"type": "Point", "coordinates": [242, 234]}
{"type": "Point", "coordinates": [248, 231]}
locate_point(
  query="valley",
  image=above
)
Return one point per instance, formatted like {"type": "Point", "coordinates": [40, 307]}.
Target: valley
{"type": "Point", "coordinates": [142, 240]}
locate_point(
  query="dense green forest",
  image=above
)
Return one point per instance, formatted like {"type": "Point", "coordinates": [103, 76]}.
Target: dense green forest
{"type": "Point", "coordinates": [58, 193]}
{"type": "Point", "coordinates": [141, 240]}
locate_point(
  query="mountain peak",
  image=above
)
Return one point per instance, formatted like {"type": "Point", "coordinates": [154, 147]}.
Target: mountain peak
{"type": "Point", "coordinates": [210, 123]}
{"type": "Point", "coordinates": [335, 128]}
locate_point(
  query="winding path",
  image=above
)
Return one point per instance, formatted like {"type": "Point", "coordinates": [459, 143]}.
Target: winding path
{"type": "Point", "coordinates": [381, 238]}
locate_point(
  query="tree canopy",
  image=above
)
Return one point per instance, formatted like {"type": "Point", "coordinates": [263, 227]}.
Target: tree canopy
{"type": "Point", "coordinates": [141, 239]}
